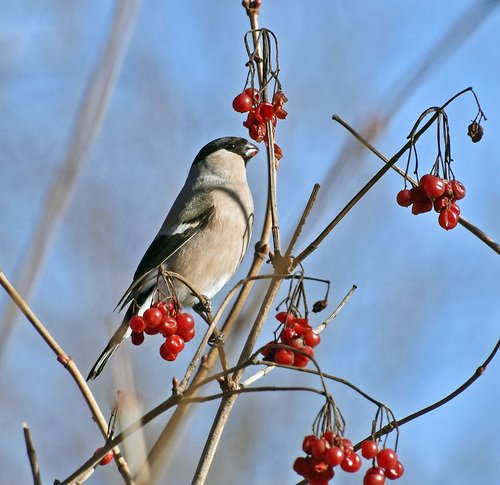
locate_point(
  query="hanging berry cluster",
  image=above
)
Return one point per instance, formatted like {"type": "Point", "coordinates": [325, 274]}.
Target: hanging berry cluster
{"type": "Point", "coordinates": [294, 330]}
{"type": "Point", "coordinates": [439, 189]}
{"type": "Point", "coordinates": [166, 319]}
{"type": "Point", "coordinates": [327, 448]}
{"type": "Point", "coordinates": [262, 114]}
{"type": "Point", "coordinates": [296, 333]}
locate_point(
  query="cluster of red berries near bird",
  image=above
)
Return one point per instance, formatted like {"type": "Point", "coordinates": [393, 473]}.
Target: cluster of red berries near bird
{"type": "Point", "coordinates": [297, 333]}
{"type": "Point", "coordinates": [259, 113]}
{"type": "Point", "coordinates": [435, 192]}
{"type": "Point", "coordinates": [164, 319]}
{"type": "Point", "coordinates": [325, 453]}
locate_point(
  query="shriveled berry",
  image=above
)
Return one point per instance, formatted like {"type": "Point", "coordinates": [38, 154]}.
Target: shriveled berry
{"type": "Point", "coordinates": [441, 203]}
{"type": "Point", "coordinates": [421, 206]}
{"type": "Point", "coordinates": [458, 189]}
{"type": "Point", "coordinates": [264, 112]}
{"type": "Point", "coordinates": [302, 466]}
{"type": "Point", "coordinates": [475, 131]}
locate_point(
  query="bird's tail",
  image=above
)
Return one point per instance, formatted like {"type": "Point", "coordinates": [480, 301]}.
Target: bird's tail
{"type": "Point", "coordinates": [110, 349]}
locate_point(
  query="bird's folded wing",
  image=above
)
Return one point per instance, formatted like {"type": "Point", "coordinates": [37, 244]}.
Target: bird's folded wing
{"type": "Point", "coordinates": [162, 248]}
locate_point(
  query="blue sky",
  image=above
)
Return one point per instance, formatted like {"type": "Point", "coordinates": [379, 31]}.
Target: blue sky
{"type": "Point", "coordinates": [426, 311]}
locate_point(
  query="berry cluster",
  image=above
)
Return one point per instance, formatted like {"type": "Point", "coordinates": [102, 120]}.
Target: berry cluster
{"type": "Point", "coordinates": [296, 333]}
{"type": "Point", "coordinates": [260, 113]}
{"type": "Point", "coordinates": [438, 193]}
{"type": "Point", "coordinates": [165, 319]}
{"type": "Point", "coordinates": [330, 450]}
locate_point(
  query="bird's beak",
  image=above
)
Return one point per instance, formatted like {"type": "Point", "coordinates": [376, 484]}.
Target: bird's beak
{"type": "Point", "coordinates": [249, 151]}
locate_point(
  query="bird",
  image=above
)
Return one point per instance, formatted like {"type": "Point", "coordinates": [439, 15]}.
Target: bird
{"type": "Point", "coordinates": [203, 238]}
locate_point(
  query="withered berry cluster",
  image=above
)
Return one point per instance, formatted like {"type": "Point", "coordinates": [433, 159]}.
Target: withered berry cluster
{"type": "Point", "coordinates": [260, 113]}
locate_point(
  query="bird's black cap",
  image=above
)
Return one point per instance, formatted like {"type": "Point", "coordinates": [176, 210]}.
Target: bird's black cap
{"type": "Point", "coordinates": [230, 143]}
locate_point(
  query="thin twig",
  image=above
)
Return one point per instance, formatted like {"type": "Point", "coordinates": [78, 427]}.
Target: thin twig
{"type": "Point", "coordinates": [35, 469]}
{"type": "Point", "coordinates": [173, 401]}
{"type": "Point", "coordinates": [477, 374]}
{"type": "Point", "coordinates": [69, 364]}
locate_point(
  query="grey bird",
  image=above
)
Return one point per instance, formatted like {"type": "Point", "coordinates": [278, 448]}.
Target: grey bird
{"type": "Point", "coordinates": [204, 237]}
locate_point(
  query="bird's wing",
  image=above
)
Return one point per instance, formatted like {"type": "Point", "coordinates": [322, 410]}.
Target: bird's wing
{"type": "Point", "coordinates": [162, 248]}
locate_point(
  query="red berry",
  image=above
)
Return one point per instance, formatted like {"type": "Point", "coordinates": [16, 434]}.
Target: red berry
{"type": "Point", "coordinates": [288, 334]}
{"type": "Point", "coordinates": [395, 472]}
{"type": "Point", "coordinates": [323, 477]}
{"type": "Point", "coordinates": [418, 194]}
{"type": "Point", "coordinates": [448, 219]}
{"type": "Point", "coordinates": [253, 93]}
{"type": "Point", "coordinates": [334, 456]}
{"type": "Point", "coordinates": [312, 338]}
{"type": "Point", "coordinates": [421, 206]}
{"type": "Point", "coordinates": [351, 462]}
{"type": "Point", "coordinates": [307, 443]}
{"type": "Point", "coordinates": [168, 326]}
{"type": "Point", "coordinates": [151, 331]}
{"type": "Point", "coordinates": [107, 458]}
{"type": "Point", "coordinates": [137, 323]}
{"type": "Point", "coordinates": [404, 198]}
{"type": "Point", "coordinates": [318, 447]}
{"type": "Point", "coordinates": [284, 357]}
{"type": "Point", "coordinates": [242, 103]}
{"type": "Point", "coordinates": [458, 189]}
{"type": "Point", "coordinates": [162, 306]}
{"type": "Point", "coordinates": [329, 435]}
{"type": "Point", "coordinates": [187, 335]}
{"type": "Point", "coordinates": [302, 466]}
{"type": "Point", "coordinates": [432, 185]}
{"type": "Point", "coordinates": [268, 351]}
{"type": "Point", "coordinates": [285, 317]}
{"type": "Point", "coordinates": [174, 344]}
{"type": "Point", "coordinates": [152, 317]}
{"type": "Point", "coordinates": [301, 329]}
{"type": "Point", "coordinates": [369, 449]}
{"type": "Point", "coordinates": [387, 458]}
{"type": "Point", "coordinates": [184, 322]}
{"type": "Point", "coordinates": [166, 354]}
{"type": "Point", "coordinates": [374, 476]}
{"type": "Point", "coordinates": [137, 338]}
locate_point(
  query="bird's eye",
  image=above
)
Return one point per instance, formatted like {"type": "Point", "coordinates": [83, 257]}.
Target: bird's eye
{"type": "Point", "coordinates": [231, 146]}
